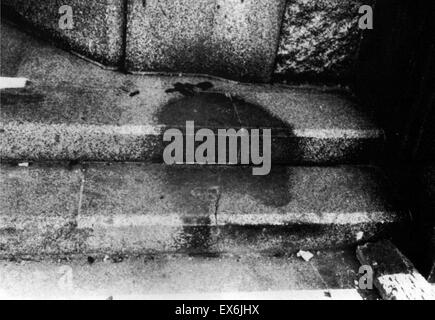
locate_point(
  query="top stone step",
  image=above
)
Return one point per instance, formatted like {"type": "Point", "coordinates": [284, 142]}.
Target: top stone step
{"type": "Point", "coordinates": [73, 110]}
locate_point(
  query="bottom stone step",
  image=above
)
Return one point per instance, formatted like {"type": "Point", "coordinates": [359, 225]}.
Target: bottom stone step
{"type": "Point", "coordinates": [328, 275]}
{"type": "Point", "coordinates": [52, 209]}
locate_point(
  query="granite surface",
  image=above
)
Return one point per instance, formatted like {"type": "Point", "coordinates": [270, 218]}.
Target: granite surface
{"type": "Point", "coordinates": [128, 209]}
{"type": "Point", "coordinates": [236, 39]}
{"type": "Point", "coordinates": [319, 40]}
{"type": "Point", "coordinates": [98, 26]}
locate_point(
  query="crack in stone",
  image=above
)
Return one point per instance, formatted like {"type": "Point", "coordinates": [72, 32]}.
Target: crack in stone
{"type": "Point", "coordinates": [216, 206]}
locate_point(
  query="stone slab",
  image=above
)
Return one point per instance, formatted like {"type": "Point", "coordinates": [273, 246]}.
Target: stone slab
{"type": "Point", "coordinates": [98, 28]}
{"type": "Point", "coordinates": [38, 210]}
{"type": "Point", "coordinates": [307, 207]}
{"type": "Point", "coordinates": [131, 209]}
{"type": "Point", "coordinates": [156, 208]}
{"type": "Point", "coordinates": [196, 209]}
{"type": "Point", "coordinates": [230, 38]}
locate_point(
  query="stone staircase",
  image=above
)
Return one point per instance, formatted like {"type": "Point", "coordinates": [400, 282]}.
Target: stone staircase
{"type": "Point", "coordinates": [83, 183]}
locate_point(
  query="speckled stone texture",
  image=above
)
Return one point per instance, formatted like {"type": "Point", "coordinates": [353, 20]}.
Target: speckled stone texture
{"type": "Point", "coordinates": [98, 25]}
{"type": "Point", "coordinates": [185, 277]}
{"type": "Point", "coordinates": [128, 209]}
{"type": "Point", "coordinates": [319, 39]}
{"type": "Point", "coordinates": [237, 39]}
{"type": "Point", "coordinates": [75, 110]}
{"type": "Point", "coordinates": [37, 210]}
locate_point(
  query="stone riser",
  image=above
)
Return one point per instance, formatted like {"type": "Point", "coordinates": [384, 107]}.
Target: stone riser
{"type": "Point", "coordinates": [38, 142]}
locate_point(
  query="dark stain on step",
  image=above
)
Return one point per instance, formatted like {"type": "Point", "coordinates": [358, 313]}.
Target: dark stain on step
{"type": "Point", "coordinates": [8, 231]}
{"type": "Point", "coordinates": [188, 89]}
{"type": "Point", "coordinates": [134, 93]}
{"type": "Point", "coordinates": [20, 96]}
{"type": "Point", "coordinates": [198, 199]}
{"type": "Point", "coordinates": [215, 109]}
{"type": "Point", "coordinates": [194, 193]}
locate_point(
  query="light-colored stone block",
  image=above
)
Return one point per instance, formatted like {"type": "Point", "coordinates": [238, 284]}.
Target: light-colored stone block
{"type": "Point", "coordinates": [237, 39]}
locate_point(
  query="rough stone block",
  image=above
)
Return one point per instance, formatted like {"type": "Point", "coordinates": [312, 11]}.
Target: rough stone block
{"type": "Point", "coordinates": [319, 39]}
{"type": "Point", "coordinates": [97, 25]}
{"type": "Point", "coordinates": [237, 39]}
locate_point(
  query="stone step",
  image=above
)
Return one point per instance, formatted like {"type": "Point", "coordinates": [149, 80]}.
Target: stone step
{"type": "Point", "coordinates": [328, 275]}
{"type": "Point", "coordinates": [112, 209]}
{"type": "Point", "coordinates": [74, 110]}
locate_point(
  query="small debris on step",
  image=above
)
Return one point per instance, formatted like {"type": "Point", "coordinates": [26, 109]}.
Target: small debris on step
{"type": "Point", "coordinates": [306, 255]}
{"type": "Point", "coordinates": [134, 93]}
{"type": "Point", "coordinates": [23, 164]}
{"type": "Point", "coordinates": [359, 236]}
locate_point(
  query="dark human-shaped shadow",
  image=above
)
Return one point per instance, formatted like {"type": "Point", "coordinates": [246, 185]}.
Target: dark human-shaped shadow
{"type": "Point", "coordinates": [214, 110]}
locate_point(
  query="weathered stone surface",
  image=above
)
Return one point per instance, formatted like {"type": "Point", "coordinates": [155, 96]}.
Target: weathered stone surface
{"type": "Point", "coordinates": [319, 39]}
{"type": "Point", "coordinates": [129, 209]}
{"type": "Point", "coordinates": [38, 206]}
{"type": "Point", "coordinates": [231, 38]}
{"type": "Point", "coordinates": [395, 276]}
{"type": "Point", "coordinates": [155, 208]}
{"type": "Point", "coordinates": [75, 110]}
{"type": "Point", "coordinates": [304, 207]}
{"type": "Point", "coordinates": [97, 31]}
{"type": "Point", "coordinates": [179, 276]}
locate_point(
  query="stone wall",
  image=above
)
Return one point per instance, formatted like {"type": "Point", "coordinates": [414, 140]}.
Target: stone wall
{"type": "Point", "coordinates": [98, 25]}
{"type": "Point", "coordinates": [236, 39]}
{"type": "Point", "coordinates": [231, 38]}
{"type": "Point", "coordinates": [319, 39]}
